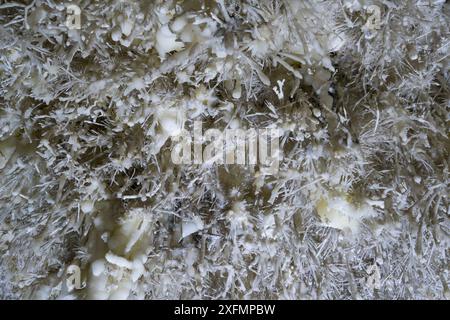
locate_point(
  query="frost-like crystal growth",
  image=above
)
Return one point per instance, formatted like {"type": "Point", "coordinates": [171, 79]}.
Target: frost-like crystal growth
{"type": "Point", "coordinates": [95, 96]}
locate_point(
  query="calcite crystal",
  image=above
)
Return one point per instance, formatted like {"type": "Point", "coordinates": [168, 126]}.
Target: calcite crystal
{"type": "Point", "coordinates": [96, 95]}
